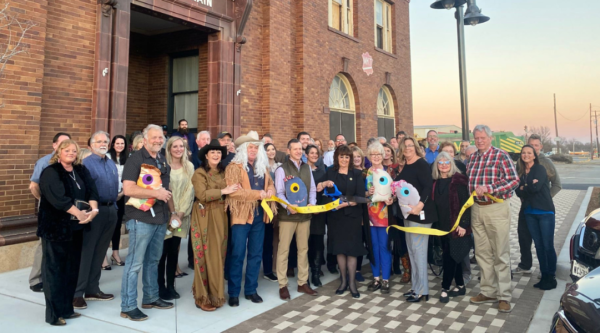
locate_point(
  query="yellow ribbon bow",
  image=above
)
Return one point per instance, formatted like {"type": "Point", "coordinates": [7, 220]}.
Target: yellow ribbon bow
{"type": "Point", "coordinates": [436, 232]}
{"type": "Point", "coordinates": [300, 210]}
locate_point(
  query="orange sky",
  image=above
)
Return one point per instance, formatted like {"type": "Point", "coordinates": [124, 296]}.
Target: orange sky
{"type": "Point", "coordinates": [515, 62]}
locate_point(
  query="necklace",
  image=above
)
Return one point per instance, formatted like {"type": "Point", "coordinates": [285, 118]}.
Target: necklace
{"type": "Point", "coordinates": [75, 180]}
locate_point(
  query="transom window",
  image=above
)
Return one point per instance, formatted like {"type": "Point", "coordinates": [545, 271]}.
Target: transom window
{"type": "Point", "coordinates": [340, 16]}
{"type": "Point", "coordinates": [383, 25]}
{"type": "Point", "coordinates": [341, 109]}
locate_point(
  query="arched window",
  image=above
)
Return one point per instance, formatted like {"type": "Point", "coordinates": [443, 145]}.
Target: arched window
{"type": "Point", "coordinates": [341, 109]}
{"type": "Point", "coordinates": [385, 114]}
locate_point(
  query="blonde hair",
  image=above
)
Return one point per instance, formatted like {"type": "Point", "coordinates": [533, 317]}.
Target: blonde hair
{"type": "Point", "coordinates": [321, 149]}
{"type": "Point", "coordinates": [355, 149]}
{"type": "Point", "coordinates": [402, 148]}
{"type": "Point", "coordinates": [64, 145]}
{"type": "Point", "coordinates": [184, 157]}
{"type": "Point", "coordinates": [136, 142]}
{"type": "Point", "coordinates": [435, 172]}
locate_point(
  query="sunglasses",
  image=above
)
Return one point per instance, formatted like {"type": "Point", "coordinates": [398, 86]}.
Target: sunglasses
{"type": "Point", "coordinates": [444, 162]}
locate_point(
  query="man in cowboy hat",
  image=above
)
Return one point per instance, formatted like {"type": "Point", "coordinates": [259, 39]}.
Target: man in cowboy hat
{"type": "Point", "coordinates": [250, 169]}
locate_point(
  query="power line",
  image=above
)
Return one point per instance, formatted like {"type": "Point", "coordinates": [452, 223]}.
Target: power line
{"type": "Point", "coordinates": [584, 114]}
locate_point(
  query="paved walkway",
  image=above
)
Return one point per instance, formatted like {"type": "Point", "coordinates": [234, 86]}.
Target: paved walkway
{"type": "Point", "coordinates": [23, 310]}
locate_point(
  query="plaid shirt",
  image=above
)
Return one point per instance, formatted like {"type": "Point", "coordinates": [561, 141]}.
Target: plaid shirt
{"type": "Point", "coordinates": [495, 170]}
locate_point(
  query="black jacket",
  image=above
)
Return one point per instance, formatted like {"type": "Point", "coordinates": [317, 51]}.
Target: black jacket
{"type": "Point", "coordinates": [535, 195]}
{"type": "Point", "coordinates": [54, 223]}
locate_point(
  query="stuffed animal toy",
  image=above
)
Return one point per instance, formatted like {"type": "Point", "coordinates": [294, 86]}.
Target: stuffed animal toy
{"type": "Point", "coordinates": [149, 179]}
{"type": "Point", "coordinates": [382, 183]}
{"type": "Point", "coordinates": [407, 195]}
{"type": "Point", "coordinates": [295, 191]}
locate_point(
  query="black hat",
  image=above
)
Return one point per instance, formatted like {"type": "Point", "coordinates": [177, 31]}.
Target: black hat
{"type": "Point", "coordinates": [224, 134]}
{"type": "Point", "coordinates": [213, 145]}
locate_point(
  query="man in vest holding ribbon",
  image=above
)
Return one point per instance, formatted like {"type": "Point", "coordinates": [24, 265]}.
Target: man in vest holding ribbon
{"type": "Point", "coordinates": [300, 186]}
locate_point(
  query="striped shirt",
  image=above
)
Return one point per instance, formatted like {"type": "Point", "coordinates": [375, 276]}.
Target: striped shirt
{"type": "Point", "coordinates": [495, 170]}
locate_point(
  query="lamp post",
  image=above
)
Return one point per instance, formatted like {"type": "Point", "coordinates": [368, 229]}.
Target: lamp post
{"type": "Point", "coordinates": [472, 17]}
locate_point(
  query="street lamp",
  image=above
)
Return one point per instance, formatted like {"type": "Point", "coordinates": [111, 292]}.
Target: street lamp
{"type": "Point", "coordinates": [473, 17]}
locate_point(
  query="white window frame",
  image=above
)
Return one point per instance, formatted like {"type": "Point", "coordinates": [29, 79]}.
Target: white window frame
{"type": "Point", "coordinates": [387, 27]}
{"type": "Point", "coordinates": [347, 19]}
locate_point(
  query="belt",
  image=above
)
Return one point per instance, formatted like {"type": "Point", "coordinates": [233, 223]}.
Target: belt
{"type": "Point", "coordinates": [485, 203]}
{"type": "Point", "coordinates": [110, 203]}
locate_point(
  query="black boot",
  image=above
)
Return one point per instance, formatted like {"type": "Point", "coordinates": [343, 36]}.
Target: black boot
{"type": "Point", "coordinates": [549, 283]}
{"type": "Point", "coordinates": [315, 269]}
{"type": "Point", "coordinates": [164, 294]}
{"type": "Point", "coordinates": [541, 282]}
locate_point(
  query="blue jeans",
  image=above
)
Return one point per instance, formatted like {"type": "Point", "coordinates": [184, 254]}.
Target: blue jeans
{"type": "Point", "coordinates": [381, 254]}
{"type": "Point", "coordinates": [541, 227]}
{"type": "Point", "coordinates": [145, 248]}
{"type": "Point", "coordinates": [252, 236]}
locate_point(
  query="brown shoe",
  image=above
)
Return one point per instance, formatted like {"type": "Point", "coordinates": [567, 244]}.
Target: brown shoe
{"type": "Point", "coordinates": [306, 289]}
{"type": "Point", "coordinates": [480, 299]}
{"type": "Point", "coordinates": [206, 307]}
{"type": "Point", "coordinates": [504, 306]}
{"type": "Point", "coordinates": [99, 297]}
{"type": "Point", "coordinates": [79, 303]}
{"type": "Point", "coordinates": [284, 294]}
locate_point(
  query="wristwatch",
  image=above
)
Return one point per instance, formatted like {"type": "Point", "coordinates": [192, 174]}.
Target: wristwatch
{"type": "Point", "coordinates": [173, 213]}
{"type": "Point", "coordinates": [96, 210]}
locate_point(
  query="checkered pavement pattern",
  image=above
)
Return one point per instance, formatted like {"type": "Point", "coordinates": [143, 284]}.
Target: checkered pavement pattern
{"type": "Point", "coordinates": [374, 312]}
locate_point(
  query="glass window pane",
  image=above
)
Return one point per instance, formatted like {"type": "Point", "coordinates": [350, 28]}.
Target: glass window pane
{"type": "Point", "coordinates": [186, 107]}
{"type": "Point", "coordinates": [336, 19]}
{"type": "Point", "coordinates": [348, 126]}
{"type": "Point", "coordinates": [380, 37]}
{"type": "Point", "coordinates": [185, 74]}
{"type": "Point", "coordinates": [379, 13]}
{"type": "Point", "coordinates": [335, 125]}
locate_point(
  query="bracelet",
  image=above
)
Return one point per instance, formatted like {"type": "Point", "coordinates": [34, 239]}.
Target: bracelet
{"type": "Point", "coordinates": [173, 213]}
{"type": "Point", "coordinates": [96, 210]}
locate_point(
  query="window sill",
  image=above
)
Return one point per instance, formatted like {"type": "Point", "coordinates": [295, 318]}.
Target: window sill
{"type": "Point", "coordinates": [385, 52]}
{"type": "Point", "coordinates": [343, 34]}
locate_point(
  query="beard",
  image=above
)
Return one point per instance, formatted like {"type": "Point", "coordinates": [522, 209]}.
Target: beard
{"type": "Point", "coordinates": [183, 131]}
{"type": "Point", "coordinates": [101, 151]}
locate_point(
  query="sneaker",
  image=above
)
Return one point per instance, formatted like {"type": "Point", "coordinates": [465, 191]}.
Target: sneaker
{"type": "Point", "coordinates": [504, 306]}
{"type": "Point", "coordinates": [385, 287]}
{"type": "Point", "coordinates": [481, 298]}
{"type": "Point", "coordinates": [548, 283]}
{"type": "Point", "coordinates": [520, 270]}
{"type": "Point", "coordinates": [270, 277]}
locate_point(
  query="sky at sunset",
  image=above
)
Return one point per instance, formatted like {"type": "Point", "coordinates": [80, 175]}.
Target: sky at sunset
{"type": "Point", "coordinates": [529, 50]}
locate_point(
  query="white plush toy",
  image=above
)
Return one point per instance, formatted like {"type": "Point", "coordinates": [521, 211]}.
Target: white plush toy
{"type": "Point", "coordinates": [383, 185]}
{"type": "Point", "coordinates": [407, 195]}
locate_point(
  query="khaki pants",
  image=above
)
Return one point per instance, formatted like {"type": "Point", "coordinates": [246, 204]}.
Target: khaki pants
{"type": "Point", "coordinates": [286, 232]}
{"type": "Point", "coordinates": [36, 269]}
{"type": "Point", "coordinates": [491, 230]}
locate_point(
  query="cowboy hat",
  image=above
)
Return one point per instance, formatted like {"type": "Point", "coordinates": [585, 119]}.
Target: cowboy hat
{"type": "Point", "coordinates": [213, 145]}
{"type": "Point", "coordinates": [251, 137]}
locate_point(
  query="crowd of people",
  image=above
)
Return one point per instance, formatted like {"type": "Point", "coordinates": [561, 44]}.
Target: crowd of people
{"type": "Point", "coordinates": [170, 187]}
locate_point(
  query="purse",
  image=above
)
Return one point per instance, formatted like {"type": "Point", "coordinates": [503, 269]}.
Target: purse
{"type": "Point", "coordinates": [83, 206]}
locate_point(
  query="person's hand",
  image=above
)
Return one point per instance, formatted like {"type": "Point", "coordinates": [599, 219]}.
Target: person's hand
{"type": "Point", "coordinates": [416, 210]}
{"type": "Point", "coordinates": [309, 205]}
{"type": "Point", "coordinates": [84, 217]}
{"type": "Point", "coordinates": [521, 188]}
{"type": "Point", "coordinates": [176, 218]}
{"type": "Point", "coordinates": [328, 183]}
{"type": "Point", "coordinates": [320, 187]}
{"type": "Point", "coordinates": [270, 193]}
{"type": "Point", "coordinates": [371, 190]}
{"type": "Point", "coordinates": [535, 181]}
{"type": "Point", "coordinates": [481, 190]}
{"type": "Point", "coordinates": [460, 231]}
{"type": "Point", "coordinates": [231, 147]}
{"type": "Point", "coordinates": [390, 201]}
{"type": "Point", "coordinates": [230, 189]}
{"type": "Point", "coordinates": [352, 204]}
{"type": "Point", "coordinates": [263, 194]}
{"type": "Point", "coordinates": [292, 209]}
{"type": "Point", "coordinates": [163, 194]}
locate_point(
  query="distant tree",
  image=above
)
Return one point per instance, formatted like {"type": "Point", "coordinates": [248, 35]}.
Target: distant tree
{"type": "Point", "coordinates": [13, 31]}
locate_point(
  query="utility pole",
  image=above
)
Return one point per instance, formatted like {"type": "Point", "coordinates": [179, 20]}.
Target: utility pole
{"type": "Point", "coordinates": [597, 145]}
{"type": "Point", "coordinates": [591, 137]}
{"type": "Point", "coordinates": [556, 126]}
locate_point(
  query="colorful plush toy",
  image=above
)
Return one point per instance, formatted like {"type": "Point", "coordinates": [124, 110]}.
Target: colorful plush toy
{"type": "Point", "coordinates": [382, 183]}
{"type": "Point", "coordinates": [407, 195]}
{"type": "Point", "coordinates": [295, 191]}
{"type": "Point", "coordinates": [149, 179]}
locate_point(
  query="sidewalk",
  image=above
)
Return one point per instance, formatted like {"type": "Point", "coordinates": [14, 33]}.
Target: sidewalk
{"type": "Point", "coordinates": [23, 310]}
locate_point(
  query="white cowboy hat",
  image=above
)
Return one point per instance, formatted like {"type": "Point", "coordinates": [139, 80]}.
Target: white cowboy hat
{"type": "Point", "coordinates": [251, 137]}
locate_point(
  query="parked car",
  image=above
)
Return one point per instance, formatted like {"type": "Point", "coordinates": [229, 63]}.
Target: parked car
{"type": "Point", "coordinates": [585, 246]}
{"type": "Point", "coordinates": [579, 307]}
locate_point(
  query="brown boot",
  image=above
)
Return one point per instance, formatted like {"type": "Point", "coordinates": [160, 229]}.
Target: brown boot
{"type": "Point", "coordinates": [306, 289]}
{"type": "Point", "coordinates": [205, 307]}
{"type": "Point", "coordinates": [406, 265]}
{"type": "Point", "coordinates": [284, 294]}
{"type": "Point", "coordinates": [481, 298]}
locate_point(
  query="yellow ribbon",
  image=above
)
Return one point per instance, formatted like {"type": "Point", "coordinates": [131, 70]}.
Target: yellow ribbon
{"type": "Point", "coordinates": [436, 232]}
{"type": "Point", "coordinates": [300, 210]}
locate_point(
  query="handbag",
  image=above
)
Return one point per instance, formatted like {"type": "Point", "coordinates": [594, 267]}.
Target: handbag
{"type": "Point", "coordinates": [82, 206]}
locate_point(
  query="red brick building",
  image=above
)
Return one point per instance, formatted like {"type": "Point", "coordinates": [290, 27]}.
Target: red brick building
{"type": "Point", "coordinates": [274, 66]}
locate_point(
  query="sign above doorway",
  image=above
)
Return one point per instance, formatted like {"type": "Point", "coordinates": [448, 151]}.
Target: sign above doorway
{"type": "Point", "coordinates": [207, 3]}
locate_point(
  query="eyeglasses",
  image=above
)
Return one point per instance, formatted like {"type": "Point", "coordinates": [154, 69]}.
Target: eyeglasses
{"type": "Point", "coordinates": [444, 162]}
{"type": "Point", "coordinates": [376, 155]}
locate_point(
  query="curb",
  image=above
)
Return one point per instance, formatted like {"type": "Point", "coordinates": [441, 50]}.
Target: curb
{"type": "Point", "coordinates": [550, 302]}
